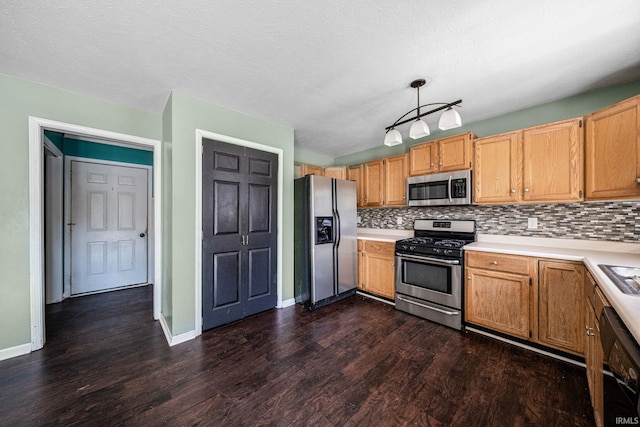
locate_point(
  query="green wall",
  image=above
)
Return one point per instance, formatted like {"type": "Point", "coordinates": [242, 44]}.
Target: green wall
{"type": "Point", "coordinates": [21, 99]}
{"type": "Point", "coordinates": [304, 156]}
{"type": "Point", "coordinates": [186, 115]}
{"type": "Point", "coordinates": [560, 110]}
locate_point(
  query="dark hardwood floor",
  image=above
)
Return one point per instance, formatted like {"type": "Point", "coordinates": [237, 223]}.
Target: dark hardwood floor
{"type": "Point", "coordinates": [358, 362]}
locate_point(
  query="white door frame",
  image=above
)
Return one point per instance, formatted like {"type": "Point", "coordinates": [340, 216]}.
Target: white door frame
{"type": "Point", "coordinates": [36, 211]}
{"type": "Point", "coordinates": [54, 240]}
{"type": "Point", "coordinates": [67, 215]}
{"type": "Point", "coordinates": [200, 134]}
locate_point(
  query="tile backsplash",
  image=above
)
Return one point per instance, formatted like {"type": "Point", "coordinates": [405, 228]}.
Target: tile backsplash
{"type": "Point", "coordinates": [614, 221]}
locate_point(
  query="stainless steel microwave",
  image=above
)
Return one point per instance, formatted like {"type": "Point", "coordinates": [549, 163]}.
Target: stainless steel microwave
{"type": "Point", "coordinates": [440, 189]}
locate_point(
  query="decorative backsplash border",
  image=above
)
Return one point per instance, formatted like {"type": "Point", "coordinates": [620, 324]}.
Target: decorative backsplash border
{"type": "Point", "coordinates": [614, 221]}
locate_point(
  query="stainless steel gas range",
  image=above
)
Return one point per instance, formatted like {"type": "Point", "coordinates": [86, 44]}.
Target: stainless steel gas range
{"type": "Point", "coordinates": [429, 270]}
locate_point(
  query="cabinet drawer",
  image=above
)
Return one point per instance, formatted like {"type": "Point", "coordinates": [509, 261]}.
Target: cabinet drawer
{"type": "Point", "coordinates": [499, 262]}
{"type": "Point", "coordinates": [381, 248]}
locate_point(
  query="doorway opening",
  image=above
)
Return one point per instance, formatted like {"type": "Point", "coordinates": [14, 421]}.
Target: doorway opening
{"type": "Point", "coordinates": [38, 156]}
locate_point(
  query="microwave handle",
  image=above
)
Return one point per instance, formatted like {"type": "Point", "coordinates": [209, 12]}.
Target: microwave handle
{"type": "Point", "coordinates": [450, 190]}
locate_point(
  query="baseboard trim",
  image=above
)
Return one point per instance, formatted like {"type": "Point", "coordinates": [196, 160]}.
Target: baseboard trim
{"type": "Point", "coordinates": [368, 295]}
{"type": "Point", "coordinates": [178, 339]}
{"type": "Point", "coordinates": [526, 347]}
{"type": "Point", "coordinates": [19, 350]}
{"type": "Point", "coordinates": [287, 303]}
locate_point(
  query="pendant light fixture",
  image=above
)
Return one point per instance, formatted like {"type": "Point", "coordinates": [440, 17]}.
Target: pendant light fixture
{"type": "Point", "coordinates": [450, 119]}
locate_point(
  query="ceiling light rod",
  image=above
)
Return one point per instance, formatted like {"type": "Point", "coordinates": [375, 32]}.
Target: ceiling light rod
{"type": "Point", "coordinates": [435, 110]}
{"type": "Point", "coordinates": [450, 119]}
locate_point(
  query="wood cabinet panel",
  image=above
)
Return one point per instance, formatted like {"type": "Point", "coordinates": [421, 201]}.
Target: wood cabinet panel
{"type": "Point", "coordinates": [337, 172]}
{"type": "Point", "coordinates": [306, 169]}
{"type": "Point", "coordinates": [378, 268]}
{"type": "Point", "coordinates": [441, 155]}
{"type": "Point", "coordinates": [552, 161]}
{"type": "Point", "coordinates": [395, 193]}
{"type": "Point", "coordinates": [498, 301]}
{"type": "Point", "coordinates": [374, 179]}
{"type": "Point", "coordinates": [538, 164]}
{"type": "Point", "coordinates": [454, 153]}
{"type": "Point", "coordinates": [612, 151]}
{"type": "Point", "coordinates": [593, 353]}
{"type": "Point", "coordinates": [561, 302]}
{"type": "Point", "coordinates": [355, 173]}
{"type": "Point", "coordinates": [380, 248]}
{"type": "Point", "coordinates": [498, 164]}
{"type": "Point", "coordinates": [423, 158]}
{"type": "Point", "coordinates": [499, 262]}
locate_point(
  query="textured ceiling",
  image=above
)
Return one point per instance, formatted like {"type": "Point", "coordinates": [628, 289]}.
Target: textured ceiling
{"type": "Point", "coordinates": [337, 71]}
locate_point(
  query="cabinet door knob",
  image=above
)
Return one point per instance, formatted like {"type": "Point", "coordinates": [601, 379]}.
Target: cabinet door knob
{"type": "Point", "coordinates": [468, 277]}
{"type": "Point", "coordinates": [495, 263]}
{"type": "Point", "coordinates": [637, 180]}
{"type": "Point", "coordinates": [513, 191]}
{"type": "Point", "coordinates": [526, 190]}
{"type": "Point", "coordinates": [440, 164]}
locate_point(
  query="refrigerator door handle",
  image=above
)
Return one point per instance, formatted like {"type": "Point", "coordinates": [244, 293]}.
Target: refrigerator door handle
{"type": "Point", "coordinates": [336, 242]}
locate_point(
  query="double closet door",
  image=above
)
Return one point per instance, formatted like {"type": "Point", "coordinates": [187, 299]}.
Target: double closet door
{"type": "Point", "coordinates": [239, 226]}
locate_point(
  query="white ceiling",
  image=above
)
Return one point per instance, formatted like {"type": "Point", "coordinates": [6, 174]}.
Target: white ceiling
{"type": "Point", "coordinates": [337, 71]}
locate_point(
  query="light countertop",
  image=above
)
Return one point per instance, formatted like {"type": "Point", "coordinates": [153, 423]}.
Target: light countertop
{"type": "Point", "coordinates": [590, 252]}
{"type": "Point", "coordinates": [383, 234]}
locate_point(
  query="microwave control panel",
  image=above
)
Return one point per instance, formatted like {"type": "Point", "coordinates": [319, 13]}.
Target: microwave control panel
{"type": "Point", "coordinates": [459, 188]}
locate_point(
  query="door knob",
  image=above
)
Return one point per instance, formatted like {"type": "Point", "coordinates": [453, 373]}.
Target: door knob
{"type": "Point", "coordinates": [142, 234]}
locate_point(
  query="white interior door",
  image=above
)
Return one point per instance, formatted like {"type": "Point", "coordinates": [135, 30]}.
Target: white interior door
{"type": "Point", "coordinates": [109, 226]}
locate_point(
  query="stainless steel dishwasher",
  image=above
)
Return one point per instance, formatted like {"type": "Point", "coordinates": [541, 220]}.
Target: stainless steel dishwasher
{"type": "Point", "coordinates": [622, 354]}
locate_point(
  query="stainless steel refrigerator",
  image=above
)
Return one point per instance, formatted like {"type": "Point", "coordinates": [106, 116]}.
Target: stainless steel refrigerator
{"type": "Point", "coordinates": [326, 240]}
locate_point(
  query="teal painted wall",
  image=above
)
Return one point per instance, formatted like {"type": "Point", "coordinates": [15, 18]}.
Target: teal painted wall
{"type": "Point", "coordinates": [57, 138]}
{"type": "Point", "coordinates": [21, 99]}
{"type": "Point", "coordinates": [186, 115]}
{"type": "Point", "coordinates": [94, 150]}
{"type": "Point", "coordinates": [114, 153]}
{"type": "Point", "coordinates": [560, 110]}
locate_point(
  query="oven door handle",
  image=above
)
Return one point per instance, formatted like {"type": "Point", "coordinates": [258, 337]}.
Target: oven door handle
{"type": "Point", "coordinates": [430, 307]}
{"type": "Point", "coordinates": [426, 260]}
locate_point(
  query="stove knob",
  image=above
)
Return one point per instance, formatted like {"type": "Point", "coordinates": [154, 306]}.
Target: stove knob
{"type": "Point", "coordinates": [412, 248]}
{"type": "Point", "coordinates": [438, 250]}
{"type": "Point", "coordinates": [404, 247]}
{"type": "Point", "coordinates": [448, 252]}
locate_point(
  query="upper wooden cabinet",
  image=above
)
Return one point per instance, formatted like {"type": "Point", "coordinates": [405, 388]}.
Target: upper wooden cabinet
{"type": "Point", "coordinates": [612, 156]}
{"type": "Point", "coordinates": [355, 173]}
{"type": "Point", "coordinates": [497, 175]}
{"type": "Point", "coordinates": [442, 155]}
{"type": "Point", "coordinates": [552, 162]}
{"type": "Point", "coordinates": [306, 169]}
{"type": "Point", "coordinates": [538, 164]}
{"type": "Point", "coordinates": [338, 172]}
{"type": "Point", "coordinates": [396, 169]}
{"type": "Point", "coordinates": [385, 181]}
{"type": "Point", "coordinates": [373, 174]}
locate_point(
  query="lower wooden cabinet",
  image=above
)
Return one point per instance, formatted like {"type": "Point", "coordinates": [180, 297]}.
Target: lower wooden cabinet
{"type": "Point", "coordinates": [593, 353]}
{"type": "Point", "coordinates": [561, 305]}
{"type": "Point", "coordinates": [538, 300]}
{"type": "Point", "coordinates": [496, 297]}
{"type": "Point", "coordinates": [376, 267]}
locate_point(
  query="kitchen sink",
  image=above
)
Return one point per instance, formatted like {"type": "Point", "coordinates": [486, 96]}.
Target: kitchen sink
{"type": "Point", "coordinates": [627, 279]}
